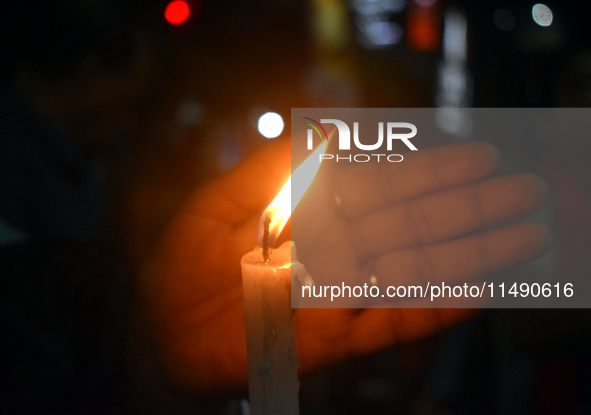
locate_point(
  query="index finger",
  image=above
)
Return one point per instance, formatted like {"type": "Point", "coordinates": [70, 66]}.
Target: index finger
{"type": "Point", "coordinates": [361, 189]}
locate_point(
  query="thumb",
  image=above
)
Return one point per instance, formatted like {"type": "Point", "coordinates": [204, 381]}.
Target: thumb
{"type": "Point", "coordinates": [249, 187]}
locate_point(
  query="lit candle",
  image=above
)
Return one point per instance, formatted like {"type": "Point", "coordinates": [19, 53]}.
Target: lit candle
{"type": "Point", "coordinates": [266, 279]}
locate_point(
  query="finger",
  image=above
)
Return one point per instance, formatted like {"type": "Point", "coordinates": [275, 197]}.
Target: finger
{"type": "Point", "coordinates": [464, 259]}
{"type": "Point", "coordinates": [376, 328]}
{"type": "Point", "coordinates": [249, 187]}
{"type": "Point", "coordinates": [365, 188]}
{"type": "Point", "coordinates": [447, 215]}
{"type": "Point", "coordinates": [353, 333]}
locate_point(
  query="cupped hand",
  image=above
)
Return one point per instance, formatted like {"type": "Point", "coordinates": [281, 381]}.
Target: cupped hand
{"type": "Point", "coordinates": [421, 216]}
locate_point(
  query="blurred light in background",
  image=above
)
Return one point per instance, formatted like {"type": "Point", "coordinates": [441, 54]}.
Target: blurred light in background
{"type": "Point", "coordinates": [330, 24]}
{"type": "Point", "coordinates": [270, 125]}
{"type": "Point", "coordinates": [370, 7]}
{"type": "Point", "coordinates": [177, 12]}
{"type": "Point", "coordinates": [454, 81]}
{"type": "Point", "coordinates": [504, 20]}
{"type": "Point", "coordinates": [542, 14]}
{"type": "Point", "coordinates": [373, 21]}
{"type": "Point", "coordinates": [423, 26]}
{"type": "Point", "coordinates": [455, 39]}
{"type": "Point", "coordinates": [379, 33]}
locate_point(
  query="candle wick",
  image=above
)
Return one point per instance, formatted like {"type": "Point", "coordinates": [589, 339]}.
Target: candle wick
{"type": "Point", "coordinates": [266, 224]}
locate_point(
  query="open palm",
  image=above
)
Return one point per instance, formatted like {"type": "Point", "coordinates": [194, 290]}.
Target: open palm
{"type": "Point", "coordinates": [423, 228]}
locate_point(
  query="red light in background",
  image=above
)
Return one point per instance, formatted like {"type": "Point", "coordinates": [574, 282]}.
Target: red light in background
{"type": "Point", "coordinates": [423, 25]}
{"type": "Point", "coordinates": [177, 12]}
{"type": "Point", "coordinates": [423, 32]}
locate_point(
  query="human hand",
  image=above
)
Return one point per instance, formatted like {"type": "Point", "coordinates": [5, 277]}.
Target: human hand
{"type": "Point", "coordinates": [191, 291]}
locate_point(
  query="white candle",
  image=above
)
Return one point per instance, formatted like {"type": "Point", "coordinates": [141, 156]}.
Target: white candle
{"type": "Point", "coordinates": [266, 279]}
{"type": "Point", "coordinates": [272, 360]}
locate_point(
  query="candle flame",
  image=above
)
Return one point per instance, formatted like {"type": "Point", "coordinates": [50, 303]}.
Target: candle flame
{"type": "Point", "coordinates": [287, 199]}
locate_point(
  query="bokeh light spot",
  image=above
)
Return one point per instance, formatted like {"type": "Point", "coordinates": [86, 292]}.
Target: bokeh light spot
{"type": "Point", "coordinates": [542, 14]}
{"type": "Point", "coordinates": [177, 12]}
{"type": "Point", "coordinates": [270, 125]}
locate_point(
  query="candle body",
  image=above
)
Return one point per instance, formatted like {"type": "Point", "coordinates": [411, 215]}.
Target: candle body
{"type": "Point", "coordinates": [272, 360]}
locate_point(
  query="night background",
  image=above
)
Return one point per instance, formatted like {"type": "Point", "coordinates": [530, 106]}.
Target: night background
{"type": "Point", "coordinates": [202, 85]}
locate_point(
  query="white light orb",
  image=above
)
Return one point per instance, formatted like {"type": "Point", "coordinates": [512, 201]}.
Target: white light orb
{"type": "Point", "coordinates": [270, 125]}
{"type": "Point", "coordinates": [542, 14]}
